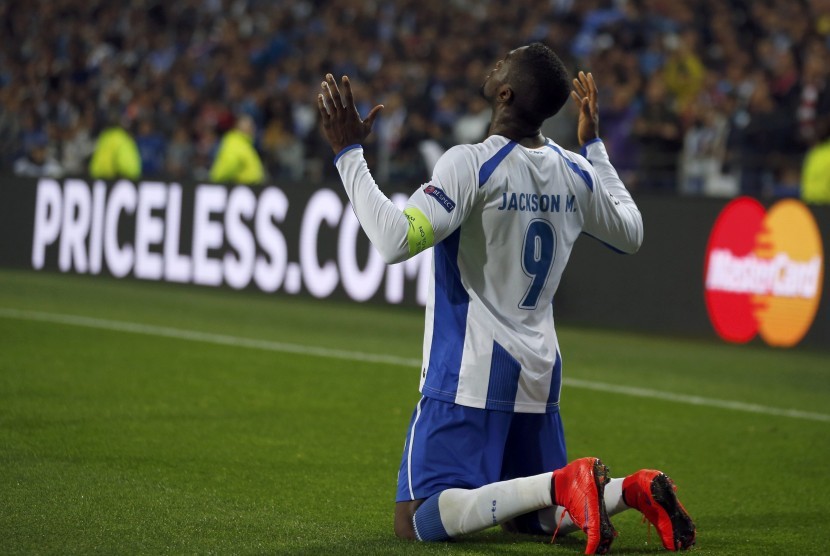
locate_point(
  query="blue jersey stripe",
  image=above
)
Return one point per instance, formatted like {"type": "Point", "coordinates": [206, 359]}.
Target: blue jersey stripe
{"type": "Point", "coordinates": [345, 150]}
{"type": "Point", "coordinates": [584, 150]}
{"type": "Point", "coordinates": [490, 166]}
{"type": "Point", "coordinates": [450, 322]}
{"type": "Point", "coordinates": [504, 380]}
{"type": "Point", "coordinates": [555, 382]}
{"type": "Point", "coordinates": [586, 177]}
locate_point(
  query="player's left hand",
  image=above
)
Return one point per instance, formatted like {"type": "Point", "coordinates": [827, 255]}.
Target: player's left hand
{"type": "Point", "coordinates": [342, 125]}
{"type": "Point", "coordinates": [585, 96]}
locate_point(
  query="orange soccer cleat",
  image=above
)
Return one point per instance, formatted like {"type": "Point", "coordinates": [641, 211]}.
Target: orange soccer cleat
{"type": "Point", "coordinates": [579, 487]}
{"type": "Point", "coordinates": [652, 492]}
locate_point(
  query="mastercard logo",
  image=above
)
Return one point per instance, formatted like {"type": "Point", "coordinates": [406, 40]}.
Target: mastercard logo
{"type": "Point", "coordinates": [764, 270]}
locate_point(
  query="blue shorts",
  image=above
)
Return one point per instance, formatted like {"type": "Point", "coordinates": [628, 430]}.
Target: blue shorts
{"type": "Point", "coordinates": [454, 446]}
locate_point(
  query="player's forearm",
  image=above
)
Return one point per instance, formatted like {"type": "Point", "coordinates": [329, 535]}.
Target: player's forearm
{"type": "Point", "coordinates": [384, 223]}
{"type": "Point", "coordinates": [621, 220]}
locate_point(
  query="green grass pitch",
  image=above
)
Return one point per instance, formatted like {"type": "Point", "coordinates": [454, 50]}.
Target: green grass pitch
{"type": "Point", "coordinates": [116, 441]}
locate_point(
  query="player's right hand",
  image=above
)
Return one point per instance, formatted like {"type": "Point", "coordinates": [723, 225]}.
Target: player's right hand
{"type": "Point", "coordinates": [342, 125]}
{"type": "Point", "coordinates": [585, 96]}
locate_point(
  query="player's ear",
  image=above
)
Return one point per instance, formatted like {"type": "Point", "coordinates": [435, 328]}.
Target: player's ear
{"type": "Point", "coordinates": [504, 94]}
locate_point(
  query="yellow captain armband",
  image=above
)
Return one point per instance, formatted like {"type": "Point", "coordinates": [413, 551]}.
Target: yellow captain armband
{"type": "Point", "coordinates": [420, 235]}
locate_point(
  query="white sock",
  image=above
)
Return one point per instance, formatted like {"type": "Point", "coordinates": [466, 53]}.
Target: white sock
{"type": "Point", "coordinates": [468, 511]}
{"type": "Point", "coordinates": [614, 504]}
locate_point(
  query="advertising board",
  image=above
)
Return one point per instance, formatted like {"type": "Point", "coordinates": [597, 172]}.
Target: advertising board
{"type": "Point", "coordinates": [270, 239]}
{"type": "Point", "coordinates": [764, 271]}
{"type": "Point", "coordinates": [741, 271]}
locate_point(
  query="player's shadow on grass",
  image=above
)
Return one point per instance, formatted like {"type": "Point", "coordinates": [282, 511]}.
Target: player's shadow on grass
{"type": "Point", "coordinates": [496, 541]}
{"type": "Point", "coordinates": [493, 541]}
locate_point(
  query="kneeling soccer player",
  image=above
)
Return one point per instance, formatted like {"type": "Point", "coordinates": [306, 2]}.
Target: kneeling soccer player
{"type": "Point", "coordinates": [485, 445]}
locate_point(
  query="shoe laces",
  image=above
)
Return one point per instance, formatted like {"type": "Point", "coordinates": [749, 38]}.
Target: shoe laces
{"type": "Point", "coordinates": [559, 524]}
{"type": "Point", "coordinates": [648, 528]}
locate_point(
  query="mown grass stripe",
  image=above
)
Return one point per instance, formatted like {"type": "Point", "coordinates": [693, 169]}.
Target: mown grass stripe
{"type": "Point", "coordinates": [283, 347]}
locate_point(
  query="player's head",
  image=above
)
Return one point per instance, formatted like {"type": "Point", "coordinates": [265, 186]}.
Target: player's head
{"type": "Point", "coordinates": [532, 80]}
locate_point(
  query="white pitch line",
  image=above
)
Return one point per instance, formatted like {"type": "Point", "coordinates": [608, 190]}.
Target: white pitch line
{"type": "Point", "coordinates": [283, 347]}
{"type": "Point", "coordinates": [694, 400]}
{"type": "Point", "coordinates": [208, 337]}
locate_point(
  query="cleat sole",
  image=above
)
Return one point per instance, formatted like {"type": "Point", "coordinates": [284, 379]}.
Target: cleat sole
{"type": "Point", "coordinates": [606, 529]}
{"type": "Point", "coordinates": [683, 528]}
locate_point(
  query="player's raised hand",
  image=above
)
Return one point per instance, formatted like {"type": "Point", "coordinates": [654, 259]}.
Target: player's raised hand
{"type": "Point", "coordinates": [342, 125]}
{"type": "Point", "coordinates": [585, 96]}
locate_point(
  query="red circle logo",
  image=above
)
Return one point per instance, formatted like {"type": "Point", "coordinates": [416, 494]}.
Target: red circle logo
{"type": "Point", "coordinates": [764, 272]}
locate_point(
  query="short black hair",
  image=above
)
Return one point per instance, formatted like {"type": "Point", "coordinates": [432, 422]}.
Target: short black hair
{"type": "Point", "coordinates": [541, 83]}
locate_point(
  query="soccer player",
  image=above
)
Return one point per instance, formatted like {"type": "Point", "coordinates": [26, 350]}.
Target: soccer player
{"type": "Point", "coordinates": [485, 445]}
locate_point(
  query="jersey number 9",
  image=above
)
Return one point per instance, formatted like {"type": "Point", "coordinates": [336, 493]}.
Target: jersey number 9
{"type": "Point", "coordinates": [538, 252]}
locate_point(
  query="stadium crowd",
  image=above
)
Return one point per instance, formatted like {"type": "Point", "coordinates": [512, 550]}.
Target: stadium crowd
{"type": "Point", "coordinates": [705, 96]}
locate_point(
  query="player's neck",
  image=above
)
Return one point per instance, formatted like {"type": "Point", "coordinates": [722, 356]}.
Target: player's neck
{"type": "Point", "coordinates": [529, 136]}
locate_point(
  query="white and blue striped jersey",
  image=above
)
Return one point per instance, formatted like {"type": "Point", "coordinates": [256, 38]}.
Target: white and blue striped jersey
{"type": "Point", "coordinates": [503, 220]}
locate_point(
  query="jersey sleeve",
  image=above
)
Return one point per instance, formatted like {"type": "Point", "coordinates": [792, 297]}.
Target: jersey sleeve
{"type": "Point", "coordinates": [448, 198]}
{"type": "Point", "coordinates": [612, 215]}
{"type": "Point", "coordinates": [432, 213]}
{"type": "Point", "coordinates": [384, 223]}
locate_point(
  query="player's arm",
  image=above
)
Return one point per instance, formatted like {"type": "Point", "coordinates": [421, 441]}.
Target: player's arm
{"type": "Point", "coordinates": [393, 232]}
{"type": "Point", "coordinates": [432, 213]}
{"type": "Point", "coordinates": [612, 216]}
{"type": "Point", "coordinates": [344, 129]}
{"type": "Point", "coordinates": [397, 235]}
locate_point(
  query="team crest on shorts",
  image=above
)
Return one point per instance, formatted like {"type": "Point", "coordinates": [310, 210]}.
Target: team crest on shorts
{"type": "Point", "coordinates": [447, 203]}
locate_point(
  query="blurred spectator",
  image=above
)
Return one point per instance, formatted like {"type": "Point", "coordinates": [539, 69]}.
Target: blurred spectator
{"type": "Point", "coordinates": [761, 136]}
{"type": "Point", "coordinates": [787, 180]}
{"type": "Point", "coordinates": [10, 128]}
{"type": "Point", "coordinates": [204, 153]}
{"type": "Point", "coordinates": [36, 162]}
{"type": "Point", "coordinates": [755, 70]}
{"type": "Point", "coordinates": [684, 72]}
{"type": "Point", "coordinates": [704, 146]}
{"type": "Point", "coordinates": [421, 139]}
{"type": "Point", "coordinates": [180, 154]}
{"type": "Point", "coordinates": [116, 155]}
{"type": "Point", "coordinates": [814, 94]}
{"type": "Point", "coordinates": [815, 180]}
{"type": "Point", "coordinates": [237, 160]}
{"type": "Point", "coordinates": [617, 116]}
{"type": "Point", "coordinates": [78, 146]}
{"type": "Point", "coordinates": [152, 146]}
{"type": "Point", "coordinates": [657, 130]}
{"type": "Point", "coordinates": [284, 153]}
{"type": "Point", "coordinates": [391, 130]}
{"type": "Point", "coordinates": [472, 125]}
